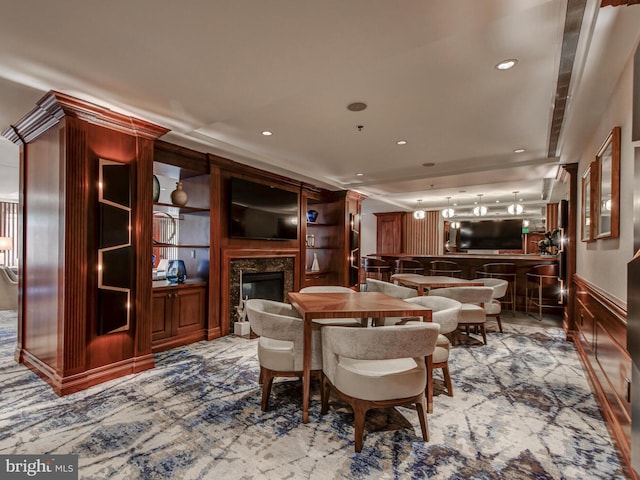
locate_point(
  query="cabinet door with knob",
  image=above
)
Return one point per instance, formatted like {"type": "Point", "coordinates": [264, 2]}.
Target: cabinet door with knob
{"type": "Point", "coordinates": [178, 315]}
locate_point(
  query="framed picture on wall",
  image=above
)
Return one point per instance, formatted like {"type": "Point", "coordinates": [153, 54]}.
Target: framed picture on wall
{"type": "Point", "coordinates": [586, 231]}
{"type": "Point", "coordinates": [606, 191]}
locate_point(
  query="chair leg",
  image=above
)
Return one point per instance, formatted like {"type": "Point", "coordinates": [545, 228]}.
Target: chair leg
{"type": "Point", "coordinates": [324, 395]}
{"type": "Point", "coordinates": [447, 380]}
{"type": "Point", "coordinates": [484, 333]}
{"type": "Point", "coordinates": [540, 303]}
{"type": "Point", "coordinates": [429, 360]}
{"type": "Point", "coordinates": [260, 380]}
{"type": "Point", "coordinates": [499, 323]}
{"type": "Point", "coordinates": [359, 414]}
{"type": "Point", "coordinates": [267, 381]}
{"type": "Point", "coordinates": [422, 416]}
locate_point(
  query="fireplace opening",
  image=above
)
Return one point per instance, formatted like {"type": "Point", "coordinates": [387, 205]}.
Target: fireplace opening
{"type": "Point", "coordinates": [265, 285]}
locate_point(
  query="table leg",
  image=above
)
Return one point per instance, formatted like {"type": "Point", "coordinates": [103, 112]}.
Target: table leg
{"type": "Point", "coordinates": [306, 369]}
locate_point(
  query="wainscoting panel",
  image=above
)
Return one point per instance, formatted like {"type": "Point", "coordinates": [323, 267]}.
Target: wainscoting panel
{"type": "Point", "coordinates": [601, 341]}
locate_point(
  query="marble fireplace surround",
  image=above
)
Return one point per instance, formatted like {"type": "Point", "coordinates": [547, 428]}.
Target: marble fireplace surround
{"type": "Point", "coordinates": [253, 261]}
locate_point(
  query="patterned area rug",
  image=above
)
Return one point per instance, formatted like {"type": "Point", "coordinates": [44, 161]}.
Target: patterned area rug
{"type": "Point", "coordinates": [522, 409]}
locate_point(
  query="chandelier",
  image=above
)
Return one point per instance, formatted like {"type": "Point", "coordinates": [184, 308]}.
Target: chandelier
{"type": "Point", "coordinates": [515, 208]}
{"type": "Point", "coordinates": [418, 213]}
{"type": "Point", "coordinates": [448, 212]}
{"type": "Point", "coordinates": [480, 210]}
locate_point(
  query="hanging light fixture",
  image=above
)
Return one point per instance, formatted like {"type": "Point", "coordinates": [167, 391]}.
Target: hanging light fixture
{"type": "Point", "coordinates": [418, 213]}
{"type": "Point", "coordinates": [448, 212]}
{"type": "Point", "coordinates": [515, 208]}
{"type": "Point", "coordinates": [480, 210]}
{"type": "Point", "coordinates": [455, 225]}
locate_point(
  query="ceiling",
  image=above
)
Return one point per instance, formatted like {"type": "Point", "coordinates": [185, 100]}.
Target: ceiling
{"type": "Point", "coordinates": [219, 73]}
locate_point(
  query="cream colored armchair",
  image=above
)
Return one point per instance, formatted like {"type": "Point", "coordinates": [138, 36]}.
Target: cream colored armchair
{"type": "Point", "coordinates": [378, 368]}
{"type": "Point", "coordinates": [8, 289]}
{"type": "Point", "coordinates": [494, 307]}
{"type": "Point", "coordinates": [342, 322]}
{"type": "Point", "coordinates": [280, 345]}
{"type": "Point", "coordinates": [446, 312]}
{"type": "Point", "coordinates": [393, 290]}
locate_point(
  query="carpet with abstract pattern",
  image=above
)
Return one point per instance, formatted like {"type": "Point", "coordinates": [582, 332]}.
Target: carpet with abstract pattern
{"type": "Point", "coordinates": [522, 409]}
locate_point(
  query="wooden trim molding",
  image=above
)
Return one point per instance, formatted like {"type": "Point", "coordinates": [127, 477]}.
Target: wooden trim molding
{"type": "Point", "coordinates": [601, 342]}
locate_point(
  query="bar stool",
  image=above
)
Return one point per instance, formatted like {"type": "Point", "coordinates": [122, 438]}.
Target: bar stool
{"type": "Point", "coordinates": [541, 277]}
{"type": "Point", "coordinates": [503, 271]}
{"type": "Point", "coordinates": [446, 268]}
{"type": "Point", "coordinates": [403, 265]}
{"type": "Point", "coordinates": [376, 268]}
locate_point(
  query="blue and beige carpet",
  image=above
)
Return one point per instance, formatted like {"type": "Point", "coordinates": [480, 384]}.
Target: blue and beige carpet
{"type": "Point", "coordinates": [522, 410]}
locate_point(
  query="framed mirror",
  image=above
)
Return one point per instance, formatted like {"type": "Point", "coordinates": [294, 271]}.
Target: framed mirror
{"type": "Point", "coordinates": [606, 211]}
{"type": "Point", "coordinates": [586, 232]}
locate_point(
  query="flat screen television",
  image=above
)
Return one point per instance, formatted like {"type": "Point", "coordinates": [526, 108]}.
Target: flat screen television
{"type": "Point", "coordinates": [491, 235]}
{"type": "Point", "coordinates": [261, 211]}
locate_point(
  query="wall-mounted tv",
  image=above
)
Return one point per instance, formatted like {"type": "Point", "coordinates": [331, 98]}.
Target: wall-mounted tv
{"type": "Point", "coordinates": [261, 211]}
{"type": "Point", "coordinates": [491, 235]}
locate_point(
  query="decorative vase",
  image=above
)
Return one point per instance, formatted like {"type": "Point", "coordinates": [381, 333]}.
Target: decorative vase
{"type": "Point", "coordinates": [156, 189]}
{"type": "Point", "coordinates": [315, 266]}
{"type": "Point", "coordinates": [312, 215]}
{"type": "Point", "coordinates": [177, 272]}
{"type": "Point", "coordinates": [179, 196]}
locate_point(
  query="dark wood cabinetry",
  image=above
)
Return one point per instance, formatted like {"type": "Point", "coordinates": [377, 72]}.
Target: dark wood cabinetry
{"type": "Point", "coordinates": [178, 315]}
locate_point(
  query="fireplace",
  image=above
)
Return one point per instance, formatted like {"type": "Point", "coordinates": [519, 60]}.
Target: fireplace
{"type": "Point", "coordinates": [270, 278]}
{"type": "Point", "coordinates": [267, 285]}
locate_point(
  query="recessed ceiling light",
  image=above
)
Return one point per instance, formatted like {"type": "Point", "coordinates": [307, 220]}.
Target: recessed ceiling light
{"type": "Point", "coordinates": [356, 106]}
{"type": "Point", "coordinates": [401, 142]}
{"type": "Point", "coordinates": [267, 133]}
{"type": "Point", "coordinates": [428, 164]}
{"type": "Point", "coordinates": [359, 174]}
{"type": "Point", "coordinates": [518, 150]}
{"type": "Point", "coordinates": [507, 64]}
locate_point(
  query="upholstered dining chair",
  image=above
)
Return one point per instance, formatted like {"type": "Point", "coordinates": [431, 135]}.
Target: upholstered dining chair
{"type": "Point", "coordinates": [345, 322]}
{"type": "Point", "coordinates": [378, 368]}
{"type": "Point", "coordinates": [473, 300]}
{"type": "Point", "coordinates": [393, 290]}
{"type": "Point", "coordinates": [446, 312]}
{"type": "Point", "coordinates": [280, 345]}
{"type": "Point", "coordinates": [494, 307]}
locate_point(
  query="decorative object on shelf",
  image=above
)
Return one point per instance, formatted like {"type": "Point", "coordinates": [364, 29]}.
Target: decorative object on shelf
{"type": "Point", "coordinates": [315, 266]}
{"type": "Point", "coordinates": [166, 227]}
{"type": "Point", "coordinates": [156, 189]}
{"type": "Point", "coordinates": [419, 214]}
{"type": "Point", "coordinates": [312, 215]}
{"type": "Point", "coordinates": [179, 196]}
{"type": "Point", "coordinates": [177, 272]}
{"type": "Point", "coordinates": [202, 271]}
{"type": "Point", "coordinates": [311, 241]}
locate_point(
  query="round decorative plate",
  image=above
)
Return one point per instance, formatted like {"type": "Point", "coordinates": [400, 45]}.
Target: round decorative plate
{"type": "Point", "coordinates": [156, 189]}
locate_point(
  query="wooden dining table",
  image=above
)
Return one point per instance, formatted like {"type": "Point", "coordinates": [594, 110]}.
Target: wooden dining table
{"type": "Point", "coordinates": [425, 282]}
{"type": "Point", "coordinates": [324, 305]}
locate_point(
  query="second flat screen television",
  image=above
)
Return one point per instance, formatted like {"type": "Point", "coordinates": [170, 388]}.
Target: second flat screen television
{"type": "Point", "coordinates": [262, 212]}
{"type": "Point", "coordinates": [491, 235]}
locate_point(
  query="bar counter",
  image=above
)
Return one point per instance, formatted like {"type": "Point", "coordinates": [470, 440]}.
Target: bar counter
{"type": "Point", "coordinates": [470, 262]}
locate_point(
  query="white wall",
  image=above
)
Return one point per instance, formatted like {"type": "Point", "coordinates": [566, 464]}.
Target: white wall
{"type": "Point", "coordinates": [604, 262]}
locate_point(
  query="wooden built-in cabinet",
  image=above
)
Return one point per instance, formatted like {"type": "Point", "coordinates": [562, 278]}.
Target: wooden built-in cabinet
{"type": "Point", "coordinates": [178, 315]}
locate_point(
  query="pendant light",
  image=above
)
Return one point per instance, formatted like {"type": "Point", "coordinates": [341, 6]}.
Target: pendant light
{"type": "Point", "coordinates": [515, 208]}
{"type": "Point", "coordinates": [418, 213]}
{"type": "Point", "coordinates": [480, 210]}
{"type": "Point", "coordinates": [448, 212]}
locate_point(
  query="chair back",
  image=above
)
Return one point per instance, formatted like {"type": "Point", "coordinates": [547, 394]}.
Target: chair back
{"type": "Point", "coordinates": [397, 291]}
{"type": "Point", "coordinates": [444, 311]}
{"type": "Point", "coordinates": [499, 286]}
{"type": "Point", "coordinates": [446, 268]}
{"type": "Point", "coordinates": [404, 265]}
{"type": "Point", "coordinates": [543, 274]}
{"type": "Point", "coordinates": [326, 289]}
{"type": "Point", "coordinates": [8, 289]}
{"type": "Point", "coordinates": [503, 270]}
{"type": "Point", "coordinates": [475, 295]}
